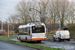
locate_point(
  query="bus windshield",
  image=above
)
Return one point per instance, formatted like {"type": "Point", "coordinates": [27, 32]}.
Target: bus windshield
{"type": "Point", "coordinates": [38, 29]}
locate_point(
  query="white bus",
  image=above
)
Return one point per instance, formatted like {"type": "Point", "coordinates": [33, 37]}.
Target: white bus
{"type": "Point", "coordinates": [32, 32]}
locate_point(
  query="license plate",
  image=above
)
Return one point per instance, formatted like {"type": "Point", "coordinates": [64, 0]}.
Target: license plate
{"type": "Point", "coordinates": [63, 37]}
{"type": "Point", "coordinates": [39, 26]}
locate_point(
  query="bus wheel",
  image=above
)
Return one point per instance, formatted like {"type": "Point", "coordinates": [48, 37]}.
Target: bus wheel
{"type": "Point", "coordinates": [19, 38]}
{"type": "Point", "coordinates": [26, 40]}
{"type": "Point", "coordinates": [39, 41]}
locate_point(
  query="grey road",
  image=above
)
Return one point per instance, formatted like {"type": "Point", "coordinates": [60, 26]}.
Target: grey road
{"type": "Point", "coordinates": [8, 46]}
{"type": "Point", "coordinates": [1, 36]}
{"type": "Point", "coordinates": [64, 45]}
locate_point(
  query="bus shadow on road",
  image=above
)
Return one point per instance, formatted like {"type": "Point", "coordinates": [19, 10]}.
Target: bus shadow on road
{"type": "Point", "coordinates": [34, 42]}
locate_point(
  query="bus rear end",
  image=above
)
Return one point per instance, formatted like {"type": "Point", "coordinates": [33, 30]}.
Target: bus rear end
{"type": "Point", "coordinates": [38, 33]}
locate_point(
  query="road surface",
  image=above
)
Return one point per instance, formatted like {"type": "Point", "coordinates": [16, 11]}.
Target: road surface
{"type": "Point", "coordinates": [1, 36]}
{"type": "Point", "coordinates": [64, 45]}
{"type": "Point", "coordinates": [8, 46]}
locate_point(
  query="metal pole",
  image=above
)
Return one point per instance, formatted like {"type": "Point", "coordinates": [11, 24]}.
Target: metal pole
{"type": "Point", "coordinates": [13, 30]}
{"type": "Point", "coordinates": [40, 13]}
{"type": "Point", "coordinates": [2, 26]}
{"type": "Point", "coordinates": [8, 29]}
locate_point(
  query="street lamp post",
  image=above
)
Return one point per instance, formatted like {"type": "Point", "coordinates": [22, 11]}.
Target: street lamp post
{"type": "Point", "coordinates": [13, 29]}
{"type": "Point", "coordinates": [37, 11]}
{"type": "Point", "coordinates": [8, 27]}
{"type": "Point", "coordinates": [2, 26]}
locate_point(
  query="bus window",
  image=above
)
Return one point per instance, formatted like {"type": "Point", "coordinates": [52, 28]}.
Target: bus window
{"type": "Point", "coordinates": [25, 30]}
{"type": "Point", "coordinates": [20, 30]}
{"type": "Point", "coordinates": [38, 29]}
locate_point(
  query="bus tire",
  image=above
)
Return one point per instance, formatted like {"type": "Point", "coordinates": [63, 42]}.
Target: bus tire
{"type": "Point", "coordinates": [19, 38]}
{"type": "Point", "coordinates": [39, 41]}
{"type": "Point", "coordinates": [26, 40]}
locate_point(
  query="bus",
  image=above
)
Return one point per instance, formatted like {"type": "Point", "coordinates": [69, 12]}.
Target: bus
{"type": "Point", "coordinates": [32, 32]}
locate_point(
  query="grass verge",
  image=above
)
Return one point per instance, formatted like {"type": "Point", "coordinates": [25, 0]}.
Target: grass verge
{"type": "Point", "coordinates": [71, 28]}
{"type": "Point", "coordinates": [50, 39]}
{"type": "Point", "coordinates": [28, 44]}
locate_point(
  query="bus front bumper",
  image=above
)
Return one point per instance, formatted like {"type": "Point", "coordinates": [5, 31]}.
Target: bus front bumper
{"type": "Point", "coordinates": [38, 39]}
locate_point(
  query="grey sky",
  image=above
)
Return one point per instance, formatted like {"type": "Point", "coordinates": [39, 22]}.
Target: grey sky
{"type": "Point", "coordinates": [8, 6]}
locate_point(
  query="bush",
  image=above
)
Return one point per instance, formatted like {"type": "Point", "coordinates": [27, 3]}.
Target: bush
{"type": "Point", "coordinates": [52, 32]}
{"type": "Point", "coordinates": [71, 28]}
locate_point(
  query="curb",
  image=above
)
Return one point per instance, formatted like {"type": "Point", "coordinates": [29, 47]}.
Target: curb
{"type": "Point", "coordinates": [23, 45]}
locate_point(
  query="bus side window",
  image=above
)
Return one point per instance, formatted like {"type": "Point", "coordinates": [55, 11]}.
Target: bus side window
{"type": "Point", "coordinates": [29, 30]}
{"type": "Point", "coordinates": [19, 30]}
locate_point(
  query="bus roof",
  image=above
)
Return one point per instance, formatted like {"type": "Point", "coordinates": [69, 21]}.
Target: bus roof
{"type": "Point", "coordinates": [23, 26]}
{"type": "Point", "coordinates": [31, 24]}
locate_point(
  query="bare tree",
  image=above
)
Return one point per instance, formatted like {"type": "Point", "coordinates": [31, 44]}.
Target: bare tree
{"type": "Point", "coordinates": [22, 8]}
{"type": "Point", "coordinates": [52, 11]}
{"type": "Point", "coordinates": [60, 10]}
{"type": "Point", "coordinates": [44, 4]}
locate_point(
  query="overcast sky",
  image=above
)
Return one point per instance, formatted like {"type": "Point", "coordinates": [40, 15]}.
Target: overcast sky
{"type": "Point", "coordinates": [8, 6]}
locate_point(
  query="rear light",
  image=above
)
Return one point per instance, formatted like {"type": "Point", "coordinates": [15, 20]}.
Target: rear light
{"type": "Point", "coordinates": [45, 33]}
{"type": "Point", "coordinates": [60, 35]}
{"type": "Point", "coordinates": [69, 35]}
{"type": "Point", "coordinates": [31, 35]}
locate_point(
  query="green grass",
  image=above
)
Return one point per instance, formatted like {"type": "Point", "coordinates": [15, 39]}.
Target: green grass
{"type": "Point", "coordinates": [28, 44]}
{"type": "Point", "coordinates": [14, 33]}
{"type": "Point", "coordinates": [11, 34]}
